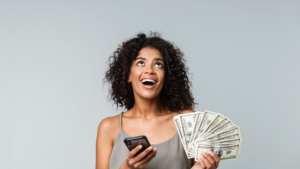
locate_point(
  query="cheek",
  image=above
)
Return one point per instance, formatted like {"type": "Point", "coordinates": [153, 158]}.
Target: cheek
{"type": "Point", "coordinates": [135, 75]}
{"type": "Point", "coordinates": [162, 76]}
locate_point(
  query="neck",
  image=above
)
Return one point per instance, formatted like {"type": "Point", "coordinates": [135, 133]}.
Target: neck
{"type": "Point", "coordinates": [147, 108]}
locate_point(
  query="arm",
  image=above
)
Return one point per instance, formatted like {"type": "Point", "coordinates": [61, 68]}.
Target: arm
{"type": "Point", "coordinates": [104, 143]}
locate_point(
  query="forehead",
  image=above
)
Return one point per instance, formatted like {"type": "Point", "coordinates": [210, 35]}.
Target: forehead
{"type": "Point", "coordinates": [149, 53]}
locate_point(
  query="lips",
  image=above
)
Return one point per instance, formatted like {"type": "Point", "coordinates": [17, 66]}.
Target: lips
{"type": "Point", "coordinates": [148, 83]}
{"type": "Point", "coordinates": [149, 86]}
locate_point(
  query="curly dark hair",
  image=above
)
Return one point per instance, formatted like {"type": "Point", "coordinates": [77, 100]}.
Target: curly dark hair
{"type": "Point", "coordinates": [175, 93]}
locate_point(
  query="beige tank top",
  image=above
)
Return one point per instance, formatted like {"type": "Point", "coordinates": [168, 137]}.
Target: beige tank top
{"type": "Point", "coordinates": [170, 154]}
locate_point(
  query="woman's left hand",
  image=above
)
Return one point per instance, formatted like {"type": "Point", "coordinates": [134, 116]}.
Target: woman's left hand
{"type": "Point", "coordinates": [208, 161]}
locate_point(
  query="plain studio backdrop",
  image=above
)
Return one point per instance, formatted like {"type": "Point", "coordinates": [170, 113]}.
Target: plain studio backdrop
{"type": "Point", "coordinates": [243, 57]}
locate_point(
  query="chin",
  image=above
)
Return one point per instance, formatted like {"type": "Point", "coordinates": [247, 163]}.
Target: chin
{"type": "Point", "coordinates": [149, 96]}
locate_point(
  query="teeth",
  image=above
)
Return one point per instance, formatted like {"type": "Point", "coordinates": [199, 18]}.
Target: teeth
{"type": "Point", "coordinates": [148, 80]}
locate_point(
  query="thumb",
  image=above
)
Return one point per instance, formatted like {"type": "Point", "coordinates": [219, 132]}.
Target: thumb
{"type": "Point", "coordinates": [198, 163]}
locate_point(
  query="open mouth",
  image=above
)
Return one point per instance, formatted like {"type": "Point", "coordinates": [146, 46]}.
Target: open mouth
{"type": "Point", "coordinates": [148, 82]}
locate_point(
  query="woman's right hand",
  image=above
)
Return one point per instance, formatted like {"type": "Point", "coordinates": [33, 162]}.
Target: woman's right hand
{"type": "Point", "coordinates": [141, 160]}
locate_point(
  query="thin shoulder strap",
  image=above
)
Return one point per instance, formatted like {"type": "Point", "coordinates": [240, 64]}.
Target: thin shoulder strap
{"type": "Point", "coordinates": [121, 119]}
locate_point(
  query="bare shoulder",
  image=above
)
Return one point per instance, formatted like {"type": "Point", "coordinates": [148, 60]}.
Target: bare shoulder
{"type": "Point", "coordinates": [185, 111]}
{"type": "Point", "coordinates": [108, 130]}
{"type": "Point", "coordinates": [109, 126]}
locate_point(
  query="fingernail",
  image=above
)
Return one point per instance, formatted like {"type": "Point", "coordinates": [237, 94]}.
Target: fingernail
{"type": "Point", "coordinates": [201, 157]}
{"type": "Point", "coordinates": [155, 149]}
{"type": "Point", "coordinates": [203, 153]}
{"type": "Point", "coordinates": [140, 146]}
{"type": "Point", "coordinates": [150, 148]}
{"type": "Point", "coordinates": [210, 152]}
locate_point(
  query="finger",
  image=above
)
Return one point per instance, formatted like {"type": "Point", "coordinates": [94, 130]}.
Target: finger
{"type": "Point", "coordinates": [143, 154]}
{"type": "Point", "coordinates": [134, 151]}
{"type": "Point", "coordinates": [149, 156]}
{"type": "Point", "coordinates": [209, 158]}
{"type": "Point", "coordinates": [145, 159]}
{"type": "Point", "coordinates": [202, 164]}
{"type": "Point", "coordinates": [148, 160]}
{"type": "Point", "coordinates": [216, 158]}
{"type": "Point", "coordinates": [206, 162]}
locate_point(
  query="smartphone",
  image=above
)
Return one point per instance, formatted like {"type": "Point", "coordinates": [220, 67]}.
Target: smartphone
{"type": "Point", "coordinates": [132, 142]}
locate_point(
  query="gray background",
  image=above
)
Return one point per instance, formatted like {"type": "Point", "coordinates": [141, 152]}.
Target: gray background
{"type": "Point", "coordinates": [243, 56]}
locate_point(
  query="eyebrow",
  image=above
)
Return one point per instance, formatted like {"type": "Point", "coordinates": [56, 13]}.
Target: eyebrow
{"type": "Point", "coordinates": [146, 59]}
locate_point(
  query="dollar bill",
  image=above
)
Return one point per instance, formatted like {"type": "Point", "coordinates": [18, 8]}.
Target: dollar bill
{"type": "Point", "coordinates": [228, 132]}
{"type": "Point", "coordinates": [233, 141]}
{"type": "Point", "coordinates": [180, 133]}
{"type": "Point", "coordinates": [187, 125]}
{"type": "Point", "coordinates": [224, 141]}
{"type": "Point", "coordinates": [205, 131]}
{"type": "Point", "coordinates": [214, 127]}
{"type": "Point", "coordinates": [198, 119]}
{"type": "Point", "coordinates": [223, 127]}
{"type": "Point", "coordinates": [230, 137]}
{"type": "Point", "coordinates": [223, 151]}
{"type": "Point", "coordinates": [208, 117]}
{"type": "Point", "coordinates": [217, 120]}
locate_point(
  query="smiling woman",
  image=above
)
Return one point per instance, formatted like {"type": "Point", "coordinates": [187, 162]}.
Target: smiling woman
{"type": "Point", "coordinates": [147, 72]}
{"type": "Point", "coordinates": [149, 79]}
{"type": "Point", "coordinates": [175, 93]}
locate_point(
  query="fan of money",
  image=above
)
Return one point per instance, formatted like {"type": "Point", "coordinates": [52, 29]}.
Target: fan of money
{"type": "Point", "coordinates": [208, 131]}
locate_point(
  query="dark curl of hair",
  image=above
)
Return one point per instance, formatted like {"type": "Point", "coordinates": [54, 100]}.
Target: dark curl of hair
{"type": "Point", "coordinates": [175, 93]}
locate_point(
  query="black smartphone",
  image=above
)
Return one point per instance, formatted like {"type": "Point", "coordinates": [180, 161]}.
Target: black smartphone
{"type": "Point", "coordinates": [132, 142]}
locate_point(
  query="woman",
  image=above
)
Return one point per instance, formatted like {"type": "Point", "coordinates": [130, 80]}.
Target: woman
{"type": "Point", "coordinates": [149, 78]}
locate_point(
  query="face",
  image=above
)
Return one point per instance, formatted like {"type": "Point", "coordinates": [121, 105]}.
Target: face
{"type": "Point", "coordinates": [147, 73]}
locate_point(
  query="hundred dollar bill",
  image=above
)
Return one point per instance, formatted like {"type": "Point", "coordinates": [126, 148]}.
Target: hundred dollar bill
{"type": "Point", "coordinates": [216, 142]}
{"type": "Point", "coordinates": [225, 133]}
{"type": "Point", "coordinates": [208, 117]}
{"type": "Point", "coordinates": [233, 141]}
{"type": "Point", "coordinates": [218, 129]}
{"type": "Point", "coordinates": [217, 120]}
{"type": "Point", "coordinates": [217, 125]}
{"type": "Point", "coordinates": [223, 151]}
{"type": "Point", "coordinates": [187, 125]}
{"type": "Point", "coordinates": [230, 137]}
{"type": "Point", "coordinates": [180, 133]}
{"type": "Point", "coordinates": [197, 123]}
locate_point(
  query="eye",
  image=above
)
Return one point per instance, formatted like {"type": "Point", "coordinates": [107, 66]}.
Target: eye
{"type": "Point", "coordinates": [140, 63]}
{"type": "Point", "coordinates": [159, 64]}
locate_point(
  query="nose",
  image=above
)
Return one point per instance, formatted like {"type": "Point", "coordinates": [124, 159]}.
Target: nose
{"type": "Point", "coordinates": [149, 70]}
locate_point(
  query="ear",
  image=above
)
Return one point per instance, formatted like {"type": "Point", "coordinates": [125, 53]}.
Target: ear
{"type": "Point", "coordinates": [128, 80]}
